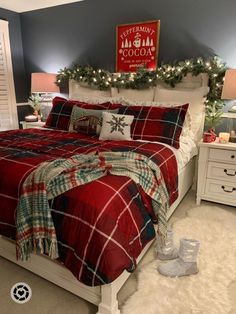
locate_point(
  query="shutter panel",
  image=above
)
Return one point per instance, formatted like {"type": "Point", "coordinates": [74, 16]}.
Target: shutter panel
{"type": "Point", "coordinates": [8, 111]}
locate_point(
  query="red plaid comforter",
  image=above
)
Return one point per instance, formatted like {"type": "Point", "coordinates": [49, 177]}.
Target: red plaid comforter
{"type": "Point", "coordinates": [101, 226]}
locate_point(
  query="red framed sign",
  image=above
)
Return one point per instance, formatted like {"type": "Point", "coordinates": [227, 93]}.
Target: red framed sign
{"type": "Point", "coordinates": [137, 45]}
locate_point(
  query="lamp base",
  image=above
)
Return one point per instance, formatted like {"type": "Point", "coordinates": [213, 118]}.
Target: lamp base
{"type": "Point", "coordinates": [232, 139]}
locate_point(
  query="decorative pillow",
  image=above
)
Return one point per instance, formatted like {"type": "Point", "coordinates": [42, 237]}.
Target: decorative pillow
{"type": "Point", "coordinates": [187, 122]}
{"type": "Point", "coordinates": [87, 121]}
{"type": "Point", "coordinates": [194, 97]}
{"type": "Point", "coordinates": [115, 126]}
{"type": "Point", "coordinates": [186, 130]}
{"type": "Point", "coordinates": [59, 116]}
{"type": "Point", "coordinates": [159, 124]}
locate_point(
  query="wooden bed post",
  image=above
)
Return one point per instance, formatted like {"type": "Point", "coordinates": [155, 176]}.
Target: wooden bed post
{"type": "Point", "coordinates": [109, 303]}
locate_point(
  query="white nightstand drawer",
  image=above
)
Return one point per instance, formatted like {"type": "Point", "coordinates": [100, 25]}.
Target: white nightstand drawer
{"type": "Point", "coordinates": [221, 190]}
{"type": "Point", "coordinates": [222, 171]}
{"type": "Point", "coordinates": [222, 155]}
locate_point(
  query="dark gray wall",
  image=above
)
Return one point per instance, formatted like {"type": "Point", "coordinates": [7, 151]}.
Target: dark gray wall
{"type": "Point", "coordinates": [85, 31]}
{"type": "Point", "coordinates": [17, 53]}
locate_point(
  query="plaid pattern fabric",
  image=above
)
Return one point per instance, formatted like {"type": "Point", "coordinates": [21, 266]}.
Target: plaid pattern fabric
{"type": "Point", "coordinates": [59, 116]}
{"type": "Point", "coordinates": [102, 226]}
{"type": "Point", "coordinates": [35, 229]}
{"type": "Point", "coordinates": [161, 124]}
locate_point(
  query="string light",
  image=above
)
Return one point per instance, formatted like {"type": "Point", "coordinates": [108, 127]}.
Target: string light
{"type": "Point", "coordinates": [171, 74]}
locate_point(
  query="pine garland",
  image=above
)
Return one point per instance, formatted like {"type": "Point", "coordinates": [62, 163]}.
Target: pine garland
{"type": "Point", "coordinates": [171, 74]}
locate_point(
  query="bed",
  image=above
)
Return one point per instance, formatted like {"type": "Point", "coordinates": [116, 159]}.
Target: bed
{"type": "Point", "coordinates": [24, 150]}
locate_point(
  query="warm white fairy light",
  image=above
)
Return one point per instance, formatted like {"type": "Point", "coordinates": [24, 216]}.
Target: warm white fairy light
{"type": "Point", "coordinates": [171, 74]}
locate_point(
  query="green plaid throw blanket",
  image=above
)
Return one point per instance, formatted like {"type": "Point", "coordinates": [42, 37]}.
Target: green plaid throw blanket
{"type": "Point", "coordinates": [35, 228]}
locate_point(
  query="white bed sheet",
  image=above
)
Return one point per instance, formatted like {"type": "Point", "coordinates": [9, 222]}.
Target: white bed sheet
{"type": "Point", "coordinates": [185, 153]}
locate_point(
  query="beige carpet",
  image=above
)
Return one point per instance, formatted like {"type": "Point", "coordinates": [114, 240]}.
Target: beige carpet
{"type": "Point", "coordinates": [50, 299]}
{"type": "Point", "coordinates": [206, 292]}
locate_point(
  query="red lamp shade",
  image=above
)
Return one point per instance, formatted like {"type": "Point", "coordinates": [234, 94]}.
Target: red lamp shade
{"type": "Point", "coordinates": [43, 83]}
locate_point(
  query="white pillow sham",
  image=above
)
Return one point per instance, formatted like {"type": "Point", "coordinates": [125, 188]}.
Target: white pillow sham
{"type": "Point", "coordinates": [116, 126]}
{"type": "Point", "coordinates": [76, 90]}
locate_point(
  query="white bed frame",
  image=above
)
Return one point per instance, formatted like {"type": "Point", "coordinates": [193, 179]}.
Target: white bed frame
{"type": "Point", "coordinates": [105, 296]}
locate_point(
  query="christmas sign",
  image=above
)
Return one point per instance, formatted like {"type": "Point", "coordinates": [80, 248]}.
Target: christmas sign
{"type": "Point", "coordinates": [137, 46]}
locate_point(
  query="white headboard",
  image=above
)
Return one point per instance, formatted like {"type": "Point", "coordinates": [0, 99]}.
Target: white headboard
{"type": "Point", "coordinates": [192, 90]}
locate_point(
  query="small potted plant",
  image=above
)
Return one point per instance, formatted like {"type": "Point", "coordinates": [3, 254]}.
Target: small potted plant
{"type": "Point", "coordinates": [34, 102]}
{"type": "Point", "coordinates": [212, 119]}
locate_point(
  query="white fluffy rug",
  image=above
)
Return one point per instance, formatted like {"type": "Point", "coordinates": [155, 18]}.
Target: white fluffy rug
{"type": "Point", "coordinates": [203, 293]}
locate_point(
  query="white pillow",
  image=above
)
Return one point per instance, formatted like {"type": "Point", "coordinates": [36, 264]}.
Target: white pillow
{"type": "Point", "coordinates": [76, 90]}
{"type": "Point", "coordinates": [189, 81]}
{"type": "Point", "coordinates": [137, 94]}
{"type": "Point", "coordinates": [99, 100]}
{"type": "Point", "coordinates": [116, 126]}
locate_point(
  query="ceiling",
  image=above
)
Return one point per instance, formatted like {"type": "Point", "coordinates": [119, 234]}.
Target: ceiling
{"type": "Point", "coordinates": [29, 5]}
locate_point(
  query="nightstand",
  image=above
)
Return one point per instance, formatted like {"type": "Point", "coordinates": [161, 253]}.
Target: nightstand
{"type": "Point", "coordinates": [217, 173]}
{"type": "Point", "coordinates": [28, 125]}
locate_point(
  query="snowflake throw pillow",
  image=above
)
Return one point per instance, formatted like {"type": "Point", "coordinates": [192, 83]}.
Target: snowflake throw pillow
{"type": "Point", "coordinates": [116, 126]}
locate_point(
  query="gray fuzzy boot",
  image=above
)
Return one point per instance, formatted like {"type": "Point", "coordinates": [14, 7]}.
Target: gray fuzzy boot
{"type": "Point", "coordinates": [186, 264]}
{"type": "Point", "coordinates": [166, 250]}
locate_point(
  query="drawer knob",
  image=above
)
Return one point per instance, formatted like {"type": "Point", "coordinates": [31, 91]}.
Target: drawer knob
{"type": "Point", "coordinates": [230, 174]}
{"type": "Point", "coordinates": [232, 156]}
{"type": "Point", "coordinates": [223, 188]}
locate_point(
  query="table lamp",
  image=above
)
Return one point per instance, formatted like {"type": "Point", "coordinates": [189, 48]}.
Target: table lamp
{"type": "Point", "coordinates": [44, 84]}
{"type": "Point", "coordinates": [42, 88]}
{"type": "Point", "coordinates": [229, 87]}
{"type": "Point", "coordinates": [229, 92]}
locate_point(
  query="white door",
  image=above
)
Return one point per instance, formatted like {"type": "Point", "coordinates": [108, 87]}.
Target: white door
{"type": "Point", "coordinates": [8, 111]}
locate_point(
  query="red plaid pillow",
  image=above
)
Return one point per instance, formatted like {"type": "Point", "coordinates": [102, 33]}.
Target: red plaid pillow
{"type": "Point", "coordinates": [59, 116]}
{"type": "Point", "coordinates": [161, 124]}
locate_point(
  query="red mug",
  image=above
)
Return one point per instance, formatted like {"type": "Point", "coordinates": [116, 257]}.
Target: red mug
{"type": "Point", "coordinates": [209, 137]}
